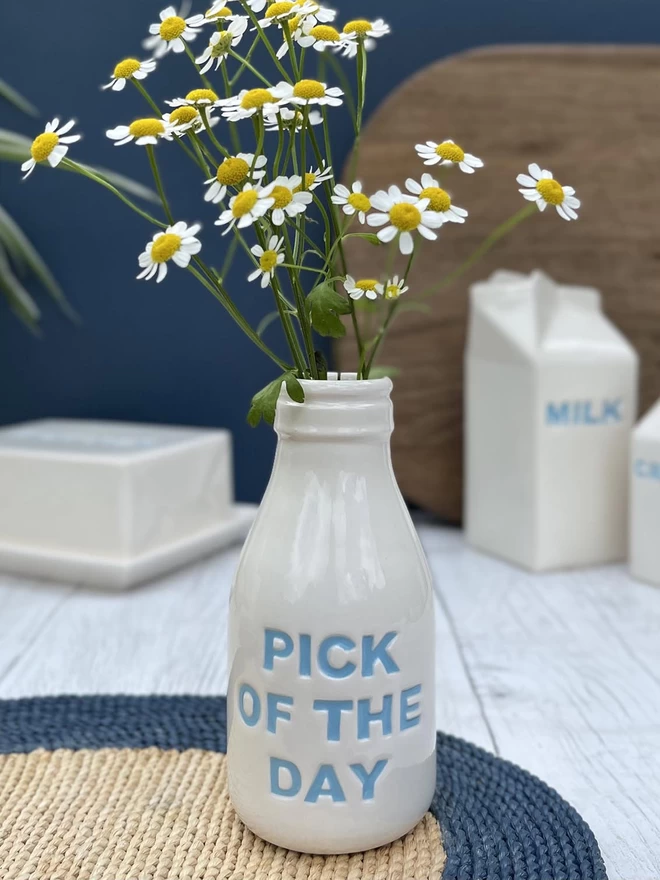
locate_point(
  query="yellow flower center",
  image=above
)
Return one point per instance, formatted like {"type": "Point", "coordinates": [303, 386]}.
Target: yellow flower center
{"type": "Point", "coordinates": [146, 128]}
{"type": "Point", "coordinates": [405, 217]}
{"type": "Point", "coordinates": [282, 195]}
{"type": "Point", "coordinates": [43, 146]}
{"type": "Point", "coordinates": [244, 202]}
{"type": "Point", "coordinates": [172, 28]}
{"type": "Point", "coordinates": [360, 27]}
{"type": "Point", "coordinates": [225, 12]}
{"type": "Point", "coordinates": [183, 115]}
{"type": "Point", "coordinates": [439, 200]}
{"type": "Point", "coordinates": [367, 284]}
{"type": "Point", "coordinates": [359, 201]}
{"type": "Point", "coordinates": [268, 261]}
{"type": "Point", "coordinates": [198, 95]}
{"type": "Point", "coordinates": [293, 24]}
{"type": "Point", "coordinates": [450, 152]}
{"type": "Point", "coordinates": [256, 98]}
{"type": "Point", "coordinates": [125, 69]}
{"type": "Point", "coordinates": [223, 45]}
{"type": "Point", "coordinates": [309, 88]}
{"type": "Point", "coordinates": [164, 248]}
{"type": "Point", "coordinates": [310, 179]}
{"type": "Point", "coordinates": [551, 191]}
{"type": "Point", "coordinates": [279, 8]}
{"type": "Point", "coordinates": [325, 33]}
{"type": "Point", "coordinates": [232, 171]}
{"type": "Point", "coordinates": [392, 291]}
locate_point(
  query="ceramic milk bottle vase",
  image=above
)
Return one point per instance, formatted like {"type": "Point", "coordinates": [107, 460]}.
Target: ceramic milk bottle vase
{"type": "Point", "coordinates": [331, 715]}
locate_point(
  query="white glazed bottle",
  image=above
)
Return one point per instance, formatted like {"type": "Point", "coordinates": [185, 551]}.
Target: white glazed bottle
{"type": "Point", "coordinates": [331, 699]}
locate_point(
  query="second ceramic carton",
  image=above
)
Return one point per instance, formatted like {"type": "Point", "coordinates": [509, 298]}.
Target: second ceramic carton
{"type": "Point", "coordinates": [551, 397]}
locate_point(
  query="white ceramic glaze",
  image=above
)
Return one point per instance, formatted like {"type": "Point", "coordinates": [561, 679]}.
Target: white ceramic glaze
{"type": "Point", "coordinates": [645, 499]}
{"type": "Point", "coordinates": [109, 504]}
{"type": "Point", "coordinates": [331, 621]}
{"type": "Point", "coordinates": [551, 397]}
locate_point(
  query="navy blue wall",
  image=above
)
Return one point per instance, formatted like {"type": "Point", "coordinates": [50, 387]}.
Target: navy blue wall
{"type": "Point", "coordinates": [169, 353]}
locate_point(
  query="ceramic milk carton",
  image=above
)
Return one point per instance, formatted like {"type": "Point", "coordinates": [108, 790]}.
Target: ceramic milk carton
{"type": "Point", "coordinates": [645, 499]}
{"type": "Point", "coordinates": [551, 397]}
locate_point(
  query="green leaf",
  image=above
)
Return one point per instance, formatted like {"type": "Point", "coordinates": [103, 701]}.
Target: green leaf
{"type": "Point", "coordinates": [367, 236]}
{"type": "Point", "coordinates": [325, 306]}
{"type": "Point", "coordinates": [384, 372]}
{"type": "Point", "coordinates": [21, 249]}
{"type": "Point", "coordinates": [19, 299]}
{"type": "Point", "coordinates": [14, 147]}
{"type": "Point", "coordinates": [10, 94]}
{"type": "Point", "coordinates": [270, 318]}
{"type": "Point", "coordinates": [264, 402]}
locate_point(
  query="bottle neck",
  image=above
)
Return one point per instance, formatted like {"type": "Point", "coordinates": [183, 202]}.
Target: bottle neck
{"type": "Point", "coordinates": [338, 410]}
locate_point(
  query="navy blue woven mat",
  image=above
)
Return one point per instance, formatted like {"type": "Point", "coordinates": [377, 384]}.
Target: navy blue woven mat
{"type": "Point", "coordinates": [498, 822]}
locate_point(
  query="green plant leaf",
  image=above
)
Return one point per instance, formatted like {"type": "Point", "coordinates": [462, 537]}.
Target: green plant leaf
{"type": "Point", "coordinates": [367, 236]}
{"type": "Point", "coordinates": [126, 184]}
{"type": "Point", "coordinates": [21, 249]}
{"type": "Point", "coordinates": [14, 147]}
{"type": "Point", "coordinates": [325, 306]}
{"type": "Point", "coordinates": [384, 372]}
{"type": "Point", "coordinates": [264, 402]}
{"type": "Point", "coordinates": [269, 319]}
{"type": "Point", "coordinates": [20, 301]}
{"type": "Point", "coordinates": [10, 94]}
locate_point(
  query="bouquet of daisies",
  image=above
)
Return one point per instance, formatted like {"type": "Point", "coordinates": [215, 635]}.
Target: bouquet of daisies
{"type": "Point", "coordinates": [261, 141]}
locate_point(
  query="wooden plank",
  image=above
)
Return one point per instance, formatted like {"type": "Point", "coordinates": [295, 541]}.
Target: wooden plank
{"type": "Point", "coordinates": [566, 667]}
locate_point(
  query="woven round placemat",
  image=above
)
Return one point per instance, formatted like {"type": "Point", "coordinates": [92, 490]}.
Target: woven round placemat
{"type": "Point", "coordinates": [134, 788]}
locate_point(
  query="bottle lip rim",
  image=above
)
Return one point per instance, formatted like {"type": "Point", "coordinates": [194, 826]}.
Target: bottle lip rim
{"type": "Point", "coordinates": [348, 387]}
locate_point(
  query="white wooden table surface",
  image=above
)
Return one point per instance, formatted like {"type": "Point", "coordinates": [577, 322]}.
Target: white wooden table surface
{"type": "Point", "coordinates": [559, 673]}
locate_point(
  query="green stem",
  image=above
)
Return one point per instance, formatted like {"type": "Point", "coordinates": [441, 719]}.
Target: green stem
{"type": "Point", "coordinates": [251, 68]}
{"type": "Point", "coordinates": [203, 111]}
{"type": "Point", "coordinates": [69, 165]}
{"type": "Point", "coordinates": [280, 147]}
{"type": "Point", "coordinates": [233, 129]}
{"type": "Point", "coordinates": [203, 77]}
{"type": "Point", "coordinates": [201, 153]}
{"type": "Point", "coordinates": [159, 183]}
{"type": "Point", "coordinates": [264, 39]}
{"type": "Point", "coordinates": [206, 278]}
{"type": "Point", "coordinates": [503, 230]}
{"type": "Point", "coordinates": [241, 69]}
{"type": "Point", "coordinates": [303, 317]}
{"type": "Point", "coordinates": [145, 94]}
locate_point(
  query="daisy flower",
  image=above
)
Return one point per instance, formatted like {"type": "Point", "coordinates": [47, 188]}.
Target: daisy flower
{"type": "Point", "coordinates": [257, 5]}
{"type": "Point", "coordinates": [291, 118]}
{"type": "Point", "coordinates": [368, 287]}
{"type": "Point", "coordinates": [313, 179]}
{"type": "Point", "coordinates": [196, 98]}
{"type": "Point", "coordinates": [142, 131]}
{"type": "Point", "coordinates": [401, 215]}
{"type": "Point", "coordinates": [308, 92]}
{"type": "Point", "coordinates": [284, 10]}
{"type": "Point", "coordinates": [448, 153]}
{"type": "Point", "coordinates": [50, 146]}
{"type": "Point", "coordinates": [540, 186]}
{"type": "Point", "coordinates": [320, 36]}
{"type": "Point", "coordinates": [129, 68]}
{"type": "Point", "coordinates": [221, 43]}
{"type": "Point", "coordinates": [246, 207]}
{"type": "Point", "coordinates": [395, 288]}
{"type": "Point", "coordinates": [353, 201]}
{"type": "Point", "coordinates": [439, 199]}
{"type": "Point", "coordinates": [269, 260]}
{"type": "Point", "coordinates": [319, 14]}
{"type": "Point", "coordinates": [234, 171]}
{"type": "Point", "coordinates": [217, 13]}
{"type": "Point", "coordinates": [360, 31]}
{"type": "Point", "coordinates": [184, 119]}
{"type": "Point", "coordinates": [178, 243]}
{"type": "Point", "coordinates": [171, 33]}
{"type": "Point", "coordinates": [252, 101]}
{"type": "Point", "coordinates": [290, 199]}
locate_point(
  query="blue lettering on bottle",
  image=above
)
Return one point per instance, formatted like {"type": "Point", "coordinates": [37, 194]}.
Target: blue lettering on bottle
{"type": "Point", "coordinates": [277, 765]}
{"type": "Point", "coordinates": [334, 708]}
{"type": "Point", "coordinates": [277, 644]}
{"type": "Point", "coordinates": [251, 718]}
{"type": "Point", "coordinates": [584, 412]}
{"type": "Point", "coordinates": [326, 784]}
{"type": "Point", "coordinates": [368, 780]}
{"type": "Point", "coordinates": [274, 712]}
{"type": "Point", "coordinates": [646, 470]}
{"type": "Point", "coordinates": [366, 717]}
{"type": "Point", "coordinates": [407, 719]}
{"type": "Point", "coordinates": [344, 644]}
{"type": "Point", "coordinates": [378, 654]}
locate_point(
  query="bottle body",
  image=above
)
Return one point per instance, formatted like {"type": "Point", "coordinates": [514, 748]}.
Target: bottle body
{"type": "Point", "coordinates": [331, 694]}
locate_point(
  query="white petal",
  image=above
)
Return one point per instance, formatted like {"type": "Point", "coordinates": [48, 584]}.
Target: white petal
{"type": "Point", "coordinates": [406, 244]}
{"type": "Point", "coordinates": [388, 234]}
{"type": "Point", "coordinates": [378, 219]}
{"type": "Point", "coordinates": [254, 275]}
{"type": "Point", "coordinates": [426, 233]}
{"type": "Point", "coordinates": [526, 180]}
